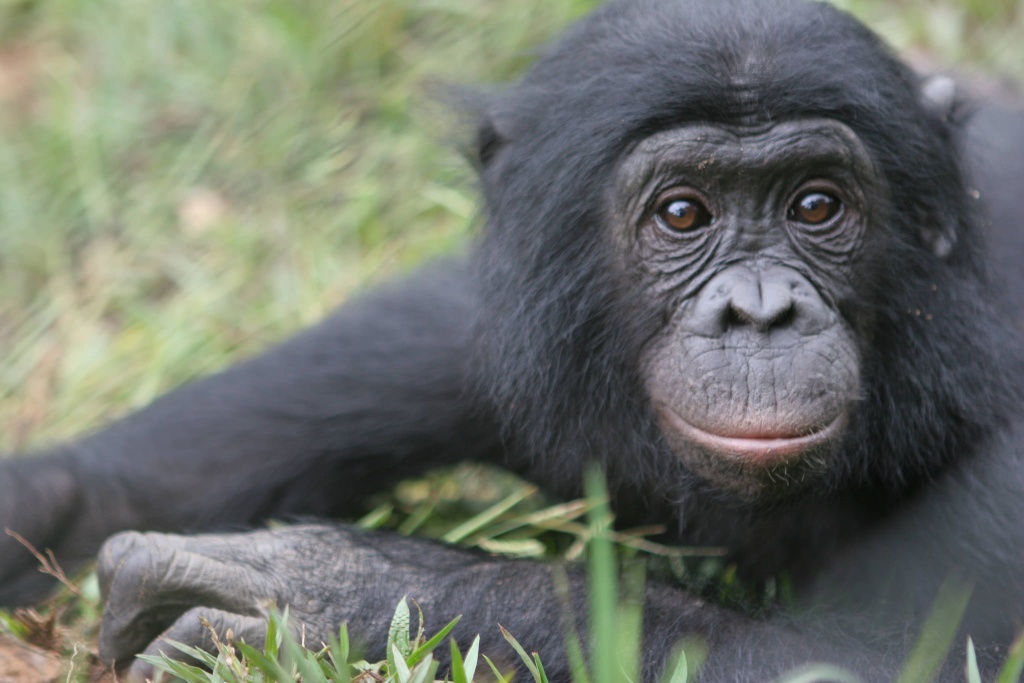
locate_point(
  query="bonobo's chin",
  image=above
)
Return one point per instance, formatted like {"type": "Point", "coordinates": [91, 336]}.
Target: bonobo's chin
{"type": "Point", "coordinates": [754, 463]}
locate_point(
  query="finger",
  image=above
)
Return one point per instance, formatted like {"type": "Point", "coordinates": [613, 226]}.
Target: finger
{"type": "Point", "coordinates": [189, 629]}
{"type": "Point", "coordinates": [149, 582]}
{"type": "Point", "coordinates": [117, 549]}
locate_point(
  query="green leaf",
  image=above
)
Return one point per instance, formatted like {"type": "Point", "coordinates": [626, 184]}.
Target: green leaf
{"type": "Point", "coordinates": [464, 671]}
{"type": "Point", "coordinates": [498, 676]}
{"type": "Point", "coordinates": [1014, 665]}
{"type": "Point", "coordinates": [527, 660]}
{"type": "Point", "coordinates": [398, 634]}
{"type": "Point", "coordinates": [377, 517]}
{"type": "Point", "coordinates": [428, 646]}
{"type": "Point", "coordinates": [629, 622]}
{"type": "Point", "coordinates": [938, 633]}
{"type": "Point", "coordinates": [540, 668]}
{"type": "Point", "coordinates": [202, 656]}
{"type": "Point", "coordinates": [338, 650]}
{"type": "Point", "coordinates": [971, 672]}
{"type": "Point", "coordinates": [489, 515]}
{"type": "Point", "coordinates": [603, 583]}
{"type": "Point", "coordinates": [815, 673]}
{"type": "Point", "coordinates": [573, 645]}
{"type": "Point", "coordinates": [302, 660]}
{"type": "Point", "coordinates": [458, 670]}
{"type": "Point", "coordinates": [415, 642]}
{"type": "Point", "coordinates": [677, 672]}
{"type": "Point", "coordinates": [185, 672]}
{"type": "Point", "coordinates": [269, 665]}
{"type": "Point", "coordinates": [471, 659]}
{"type": "Point", "coordinates": [424, 671]}
{"type": "Point", "coordinates": [688, 657]}
{"type": "Point", "coordinates": [399, 670]}
{"type": "Point", "coordinates": [272, 643]}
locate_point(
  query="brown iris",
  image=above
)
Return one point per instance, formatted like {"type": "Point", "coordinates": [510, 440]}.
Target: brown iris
{"type": "Point", "coordinates": [814, 208]}
{"type": "Point", "coordinates": [684, 214]}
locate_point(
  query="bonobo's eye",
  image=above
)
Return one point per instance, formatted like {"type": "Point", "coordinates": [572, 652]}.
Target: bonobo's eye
{"type": "Point", "coordinates": [681, 213]}
{"type": "Point", "coordinates": [814, 207]}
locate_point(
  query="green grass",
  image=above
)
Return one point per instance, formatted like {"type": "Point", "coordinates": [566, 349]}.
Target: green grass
{"type": "Point", "coordinates": [183, 182]}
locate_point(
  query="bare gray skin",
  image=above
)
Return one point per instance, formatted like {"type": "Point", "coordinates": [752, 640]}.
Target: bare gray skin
{"type": "Point", "coordinates": [757, 368]}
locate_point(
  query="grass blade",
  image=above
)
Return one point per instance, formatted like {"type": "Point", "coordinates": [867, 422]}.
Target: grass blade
{"type": "Point", "coordinates": [527, 660]}
{"type": "Point", "coordinates": [458, 669]}
{"type": "Point", "coordinates": [428, 646]}
{"type": "Point", "coordinates": [603, 581]}
{"type": "Point", "coordinates": [397, 666]}
{"type": "Point", "coordinates": [938, 633]}
{"type": "Point", "coordinates": [1014, 664]}
{"type": "Point", "coordinates": [398, 636]}
{"type": "Point", "coordinates": [498, 676]}
{"type": "Point", "coordinates": [471, 659]}
{"type": "Point", "coordinates": [484, 518]}
{"type": "Point", "coordinates": [819, 672]}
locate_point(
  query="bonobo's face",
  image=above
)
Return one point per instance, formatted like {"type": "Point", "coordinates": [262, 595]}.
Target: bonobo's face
{"type": "Point", "coordinates": [749, 240]}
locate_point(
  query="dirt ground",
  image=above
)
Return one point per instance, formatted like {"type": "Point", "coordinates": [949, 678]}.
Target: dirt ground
{"type": "Point", "coordinates": [24, 663]}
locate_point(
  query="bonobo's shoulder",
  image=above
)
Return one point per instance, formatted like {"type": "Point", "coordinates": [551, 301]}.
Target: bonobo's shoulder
{"type": "Point", "coordinates": [994, 137]}
{"type": "Point", "coordinates": [994, 150]}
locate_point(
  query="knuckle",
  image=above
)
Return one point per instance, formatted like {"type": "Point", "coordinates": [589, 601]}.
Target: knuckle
{"type": "Point", "coordinates": [128, 560]}
{"type": "Point", "coordinates": [194, 623]}
{"type": "Point", "coordinates": [198, 625]}
{"type": "Point", "coordinates": [120, 545]}
{"type": "Point", "coordinates": [112, 557]}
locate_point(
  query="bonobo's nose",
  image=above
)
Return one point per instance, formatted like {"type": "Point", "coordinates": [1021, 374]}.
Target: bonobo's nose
{"type": "Point", "coordinates": [775, 297]}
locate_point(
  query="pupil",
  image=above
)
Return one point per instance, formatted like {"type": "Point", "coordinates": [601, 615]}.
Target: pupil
{"type": "Point", "coordinates": [817, 208]}
{"type": "Point", "coordinates": [681, 209]}
{"type": "Point", "coordinates": [683, 215]}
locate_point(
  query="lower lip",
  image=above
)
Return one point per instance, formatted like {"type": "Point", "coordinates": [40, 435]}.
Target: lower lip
{"type": "Point", "coordinates": [754, 451]}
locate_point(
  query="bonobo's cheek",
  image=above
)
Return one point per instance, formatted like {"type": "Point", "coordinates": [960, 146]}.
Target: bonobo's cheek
{"type": "Point", "coordinates": [759, 414]}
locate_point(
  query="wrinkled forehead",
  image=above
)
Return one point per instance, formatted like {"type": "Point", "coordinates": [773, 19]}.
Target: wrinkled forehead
{"type": "Point", "coordinates": [811, 143]}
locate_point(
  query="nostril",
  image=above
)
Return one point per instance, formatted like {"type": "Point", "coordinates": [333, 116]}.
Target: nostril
{"type": "Point", "coordinates": [740, 298]}
{"type": "Point", "coordinates": [763, 314]}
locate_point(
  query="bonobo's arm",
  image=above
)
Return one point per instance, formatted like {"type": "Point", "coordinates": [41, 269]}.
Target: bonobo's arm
{"type": "Point", "coordinates": [963, 530]}
{"type": "Point", "coordinates": [966, 527]}
{"type": "Point", "coordinates": [158, 585]}
{"type": "Point", "coordinates": [377, 391]}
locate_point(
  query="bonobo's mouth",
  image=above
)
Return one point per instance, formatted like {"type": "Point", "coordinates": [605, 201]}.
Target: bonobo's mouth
{"type": "Point", "coordinates": [754, 450]}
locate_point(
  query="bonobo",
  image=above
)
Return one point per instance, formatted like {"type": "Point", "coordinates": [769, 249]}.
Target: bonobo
{"type": "Point", "coordinates": [732, 252]}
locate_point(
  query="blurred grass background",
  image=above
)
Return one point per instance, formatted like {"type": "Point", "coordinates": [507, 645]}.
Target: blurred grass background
{"type": "Point", "coordinates": [183, 182]}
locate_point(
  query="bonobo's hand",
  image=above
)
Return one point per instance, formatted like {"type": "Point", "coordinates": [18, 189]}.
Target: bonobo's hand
{"type": "Point", "coordinates": [158, 586]}
{"type": "Point", "coordinates": [38, 501]}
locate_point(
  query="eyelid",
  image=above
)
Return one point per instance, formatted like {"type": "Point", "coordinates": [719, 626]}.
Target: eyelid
{"type": "Point", "coordinates": [674, 192]}
{"type": "Point", "coordinates": [818, 184]}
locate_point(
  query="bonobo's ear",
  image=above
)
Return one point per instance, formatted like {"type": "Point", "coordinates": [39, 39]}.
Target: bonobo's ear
{"type": "Point", "coordinates": [488, 141]}
{"type": "Point", "coordinates": [493, 132]}
{"type": "Point", "coordinates": [938, 95]}
{"type": "Point", "coordinates": [486, 124]}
